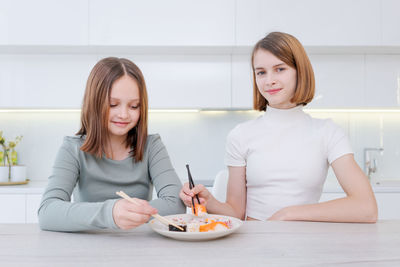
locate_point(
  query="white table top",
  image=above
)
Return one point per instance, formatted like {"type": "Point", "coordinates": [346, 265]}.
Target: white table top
{"type": "Point", "coordinates": [255, 244]}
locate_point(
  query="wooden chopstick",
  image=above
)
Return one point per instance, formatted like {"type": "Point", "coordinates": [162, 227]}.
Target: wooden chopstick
{"type": "Point", "coordinates": [156, 216]}
{"type": "Point", "coordinates": [191, 184]}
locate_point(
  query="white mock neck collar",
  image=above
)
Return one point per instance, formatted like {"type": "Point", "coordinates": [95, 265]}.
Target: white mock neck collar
{"type": "Point", "coordinates": [284, 115]}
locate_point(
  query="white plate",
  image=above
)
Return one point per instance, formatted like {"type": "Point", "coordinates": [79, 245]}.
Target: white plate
{"type": "Point", "coordinates": [162, 229]}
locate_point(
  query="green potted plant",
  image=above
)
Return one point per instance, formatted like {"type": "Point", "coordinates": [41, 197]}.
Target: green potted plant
{"type": "Point", "coordinates": [9, 160]}
{"type": "Point", "coordinates": [4, 169]}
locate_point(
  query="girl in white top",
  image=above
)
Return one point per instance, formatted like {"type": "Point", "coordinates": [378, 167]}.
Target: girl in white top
{"type": "Point", "coordinates": [278, 162]}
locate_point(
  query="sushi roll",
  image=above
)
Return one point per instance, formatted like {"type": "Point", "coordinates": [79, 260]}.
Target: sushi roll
{"type": "Point", "coordinates": [199, 210]}
{"type": "Point", "coordinates": [213, 226]}
{"type": "Point", "coordinates": [175, 229]}
{"type": "Point", "coordinates": [193, 227]}
{"type": "Point", "coordinates": [221, 226]}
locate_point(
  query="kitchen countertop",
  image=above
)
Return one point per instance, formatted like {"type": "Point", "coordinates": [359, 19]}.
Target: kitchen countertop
{"type": "Point", "coordinates": [33, 187]}
{"type": "Point", "coordinates": [37, 187]}
{"type": "Point", "coordinates": [255, 243]}
{"type": "Point", "coordinates": [385, 186]}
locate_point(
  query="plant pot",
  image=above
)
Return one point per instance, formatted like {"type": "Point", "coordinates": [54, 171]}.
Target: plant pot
{"type": "Point", "coordinates": [4, 174]}
{"type": "Point", "coordinates": [18, 173]}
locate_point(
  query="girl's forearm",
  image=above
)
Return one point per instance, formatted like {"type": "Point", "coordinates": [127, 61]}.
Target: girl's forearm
{"type": "Point", "coordinates": [216, 207]}
{"type": "Point", "coordinates": [348, 209]}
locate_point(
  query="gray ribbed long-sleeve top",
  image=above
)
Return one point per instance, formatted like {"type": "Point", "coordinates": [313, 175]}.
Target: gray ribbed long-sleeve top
{"type": "Point", "coordinates": [96, 180]}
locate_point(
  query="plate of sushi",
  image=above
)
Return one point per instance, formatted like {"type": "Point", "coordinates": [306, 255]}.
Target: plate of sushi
{"type": "Point", "coordinates": [197, 228]}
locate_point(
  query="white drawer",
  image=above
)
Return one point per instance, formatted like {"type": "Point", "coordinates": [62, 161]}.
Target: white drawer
{"type": "Point", "coordinates": [32, 205]}
{"type": "Point", "coordinates": [12, 208]}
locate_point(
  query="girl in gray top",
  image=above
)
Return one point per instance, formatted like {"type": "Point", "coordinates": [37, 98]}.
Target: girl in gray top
{"type": "Point", "coordinates": [111, 152]}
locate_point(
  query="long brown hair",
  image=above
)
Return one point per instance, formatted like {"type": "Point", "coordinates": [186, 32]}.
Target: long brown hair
{"type": "Point", "coordinates": [96, 105]}
{"type": "Point", "coordinates": [288, 49]}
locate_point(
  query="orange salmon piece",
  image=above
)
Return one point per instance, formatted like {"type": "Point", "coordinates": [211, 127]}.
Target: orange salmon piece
{"type": "Point", "coordinates": [211, 226]}
{"type": "Point", "coordinates": [199, 210]}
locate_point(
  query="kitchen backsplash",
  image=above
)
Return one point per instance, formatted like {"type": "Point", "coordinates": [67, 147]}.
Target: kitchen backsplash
{"type": "Point", "coordinates": [198, 138]}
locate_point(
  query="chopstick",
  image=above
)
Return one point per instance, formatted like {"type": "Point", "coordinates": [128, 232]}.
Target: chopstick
{"type": "Point", "coordinates": [156, 216]}
{"type": "Point", "coordinates": [191, 184]}
{"type": "Point", "coordinates": [193, 208]}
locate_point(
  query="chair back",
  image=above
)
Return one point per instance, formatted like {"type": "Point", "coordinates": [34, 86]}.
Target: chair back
{"type": "Point", "coordinates": [220, 185]}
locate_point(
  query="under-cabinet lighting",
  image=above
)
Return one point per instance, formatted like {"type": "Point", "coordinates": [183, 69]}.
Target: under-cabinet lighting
{"type": "Point", "coordinates": [216, 111]}
{"type": "Point", "coordinates": [174, 110]}
{"type": "Point", "coordinates": [34, 110]}
{"type": "Point", "coordinates": [38, 110]}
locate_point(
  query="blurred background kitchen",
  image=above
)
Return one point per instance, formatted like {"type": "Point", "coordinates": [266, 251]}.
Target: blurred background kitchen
{"type": "Point", "coordinates": [195, 56]}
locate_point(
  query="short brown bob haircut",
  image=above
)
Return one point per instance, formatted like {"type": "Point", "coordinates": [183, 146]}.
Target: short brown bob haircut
{"type": "Point", "coordinates": [96, 105]}
{"type": "Point", "coordinates": [288, 49]}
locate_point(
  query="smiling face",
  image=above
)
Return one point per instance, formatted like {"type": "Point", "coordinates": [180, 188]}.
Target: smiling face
{"type": "Point", "coordinates": [276, 81]}
{"type": "Point", "coordinates": [124, 109]}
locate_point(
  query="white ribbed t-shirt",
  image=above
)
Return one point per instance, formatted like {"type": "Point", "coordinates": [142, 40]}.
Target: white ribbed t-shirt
{"type": "Point", "coordinates": [287, 154]}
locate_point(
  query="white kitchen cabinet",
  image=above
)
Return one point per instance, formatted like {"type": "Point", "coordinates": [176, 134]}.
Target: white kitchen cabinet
{"type": "Point", "coordinates": [12, 208]}
{"type": "Point", "coordinates": [388, 203]}
{"type": "Point", "coordinates": [44, 81]}
{"type": "Point", "coordinates": [313, 22]}
{"type": "Point", "coordinates": [339, 81]}
{"type": "Point", "coordinates": [162, 23]}
{"type": "Point", "coordinates": [44, 22]}
{"type": "Point", "coordinates": [382, 80]}
{"type": "Point", "coordinates": [32, 206]}
{"type": "Point", "coordinates": [192, 81]}
{"type": "Point", "coordinates": [19, 203]}
{"type": "Point", "coordinates": [242, 82]}
{"type": "Point", "coordinates": [390, 22]}
{"type": "Point", "coordinates": [19, 208]}
{"type": "Point", "coordinates": [58, 81]}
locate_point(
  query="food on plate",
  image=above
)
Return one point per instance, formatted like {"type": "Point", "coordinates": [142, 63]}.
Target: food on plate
{"type": "Point", "coordinates": [201, 224]}
{"type": "Point", "coordinates": [213, 226]}
{"type": "Point", "coordinates": [199, 210]}
{"type": "Point", "coordinates": [197, 228]}
{"type": "Point", "coordinates": [173, 228]}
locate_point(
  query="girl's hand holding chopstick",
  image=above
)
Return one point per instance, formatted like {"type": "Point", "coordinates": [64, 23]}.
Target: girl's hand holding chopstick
{"type": "Point", "coordinates": [198, 208]}
{"type": "Point", "coordinates": [186, 194]}
{"type": "Point", "coordinates": [128, 215]}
